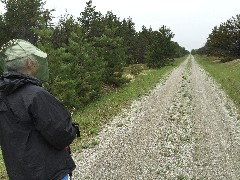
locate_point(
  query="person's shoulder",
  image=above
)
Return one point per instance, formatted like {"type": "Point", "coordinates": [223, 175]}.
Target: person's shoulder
{"type": "Point", "coordinates": [42, 97]}
{"type": "Point", "coordinates": [32, 90]}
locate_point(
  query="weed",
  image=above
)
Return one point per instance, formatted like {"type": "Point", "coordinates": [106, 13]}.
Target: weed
{"type": "Point", "coordinates": [181, 177]}
{"type": "Point", "coordinates": [159, 172]}
{"type": "Point", "coordinates": [94, 142]}
{"type": "Point", "coordinates": [89, 144]}
{"type": "Point", "coordinates": [3, 172]}
{"type": "Point", "coordinates": [120, 124]}
{"type": "Point", "coordinates": [185, 138]}
{"type": "Point", "coordinates": [85, 145]}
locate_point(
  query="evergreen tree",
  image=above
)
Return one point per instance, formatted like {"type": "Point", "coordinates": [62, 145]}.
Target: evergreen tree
{"type": "Point", "coordinates": [3, 39]}
{"type": "Point", "coordinates": [86, 69]}
{"type": "Point", "coordinates": [128, 33]}
{"type": "Point", "coordinates": [90, 21]}
{"type": "Point", "coordinates": [21, 17]}
{"type": "Point", "coordinates": [113, 53]}
{"type": "Point", "coordinates": [224, 41]}
{"type": "Point", "coordinates": [76, 70]}
{"type": "Point", "coordinates": [62, 32]}
{"type": "Point", "coordinates": [144, 39]}
{"type": "Point", "coordinates": [3, 31]}
{"type": "Point", "coordinates": [103, 32]}
{"type": "Point", "coordinates": [160, 50]}
{"type": "Point", "coordinates": [178, 50]}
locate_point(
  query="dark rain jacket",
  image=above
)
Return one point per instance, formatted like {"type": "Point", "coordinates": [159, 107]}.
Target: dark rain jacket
{"type": "Point", "coordinates": [35, 128]}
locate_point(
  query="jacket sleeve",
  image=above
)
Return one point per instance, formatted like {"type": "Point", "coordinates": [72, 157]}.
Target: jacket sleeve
{"type": "Point", "coordinates": [52, 120]}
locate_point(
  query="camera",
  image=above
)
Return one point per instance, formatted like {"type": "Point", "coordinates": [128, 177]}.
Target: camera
{"type": "Point", "coordinates": [76, 126]}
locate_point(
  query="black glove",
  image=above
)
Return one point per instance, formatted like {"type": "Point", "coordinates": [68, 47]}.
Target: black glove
{"type": "Point", "coordinates": [76, 126]}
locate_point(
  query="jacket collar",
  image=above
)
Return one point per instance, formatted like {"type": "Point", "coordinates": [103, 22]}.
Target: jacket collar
{"type": "Point", "coordinates": [11, 81]}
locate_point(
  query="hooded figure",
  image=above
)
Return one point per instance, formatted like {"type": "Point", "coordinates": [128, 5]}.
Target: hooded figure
{"type": "Point", "coordinates": [35, 127]}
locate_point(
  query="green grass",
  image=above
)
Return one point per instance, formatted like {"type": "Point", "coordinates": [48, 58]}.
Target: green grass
{"type": "Point", "coordinates": [95, 115]}
{"type": "Point", "coordinates": [3, 172]}
{"type": "Point", "coordinates": [227, 74]}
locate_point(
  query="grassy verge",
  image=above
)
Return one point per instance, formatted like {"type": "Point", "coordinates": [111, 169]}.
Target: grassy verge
{"type": "Point", "coordinates": [95, 115]}
{"type": "Point", "coordinates": [3, 172]}
{"type": "Point", "coordinates": [227, 74]}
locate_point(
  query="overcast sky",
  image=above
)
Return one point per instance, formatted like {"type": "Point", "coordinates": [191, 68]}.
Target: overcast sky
{"type": "Point", "coordinates": [190, 20]}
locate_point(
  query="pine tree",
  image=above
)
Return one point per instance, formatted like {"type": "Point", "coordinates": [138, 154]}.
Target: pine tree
{"type": "Point", "coordinates": [3, 39]}
{"type": "Point", "coordinates": [144, 39]}
{"type": "Point", "coordinates": [224, 41]}
{"type": "Point", "coordinates": [90, 21]}
{"type": "Point", "coordinates": [62, 32]}
{"type": "Point", "coordinates": [21, 17]}
{"type": "Point", "coordinates": [76, 70]}
{"type": "Point", "coordinates": [128, 33]}
{"type": "Point", "coordinates": [113, 52]}
{"type": "Point", "coordinates": [3, 31]}
{"type": "Point", "coordinates": [160, 50]}
{"type": "Point", "coordinates": [86, 68]}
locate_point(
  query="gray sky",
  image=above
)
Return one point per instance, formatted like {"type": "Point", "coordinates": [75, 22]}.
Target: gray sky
{"type": "Point", "coordinates": [190, 20]}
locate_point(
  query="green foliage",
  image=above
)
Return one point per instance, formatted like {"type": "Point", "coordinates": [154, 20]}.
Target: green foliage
{"type": "Point", "coordinates": [128, 33]}
{"type": "Point", "coordinates": [87, 54]}
{"type": "Point", "coordinates": [3, 172]}
{"type": "Point", "coordinates": [136, 69]}
{"type": "Point", "coordinates": [160, 50]}
{"type": "Point", "coordinates": [178, 51]}
{"type": "Point", "coordinates": [1, 67]}
{"type": "Point", "coordinates": [113, 53]}
{"type": "Point", "coordinates": [21, 16]}
{"type": "Point", "coordinates": [87, 69]}
{"type": "Point", "coordinates": [91, 21]}
{"type": "Point", "coordinates": [193, 51]}
{"type": "Point", "coordinates": [63, 30]}
{"type": "Point", "coordinates": [143, 40]}
{"type": "Point", "coordinates": [76, 70]}
{"type": "Point", "coordinates": [224, 41]}
{"type": "Point", "coordinates": [3, 31]}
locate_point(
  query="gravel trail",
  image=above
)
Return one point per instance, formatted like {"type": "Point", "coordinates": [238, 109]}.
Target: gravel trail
{"type": "Point", "coordinates": [185, 128]}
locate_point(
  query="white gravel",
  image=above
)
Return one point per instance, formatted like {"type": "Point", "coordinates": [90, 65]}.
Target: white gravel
{"type": "Point", "coordinates": [185, 128]}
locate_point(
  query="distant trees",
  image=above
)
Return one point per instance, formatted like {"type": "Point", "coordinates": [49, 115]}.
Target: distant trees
{"type": "Point", "coordinates": [88, 53]}
{"type": "Point", "coordinates": [224, 41]}
{"type": "Point", "coordinates": [178, 51]}
{"type": "Point", "coordinates": [161, 49]}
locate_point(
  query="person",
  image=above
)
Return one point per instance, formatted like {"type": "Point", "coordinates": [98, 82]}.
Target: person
{"type": "Point", "coordinates": [35, 127]}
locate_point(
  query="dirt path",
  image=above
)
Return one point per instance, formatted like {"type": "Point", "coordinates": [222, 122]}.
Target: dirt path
{"type": "Point", "coordinates": [186, 128]}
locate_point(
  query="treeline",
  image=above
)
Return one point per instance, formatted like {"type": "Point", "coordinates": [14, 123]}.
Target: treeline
{"type": "Point", "coordinates": [224, 41]}
{"type": "Point", "coordinates": [88, 53]}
